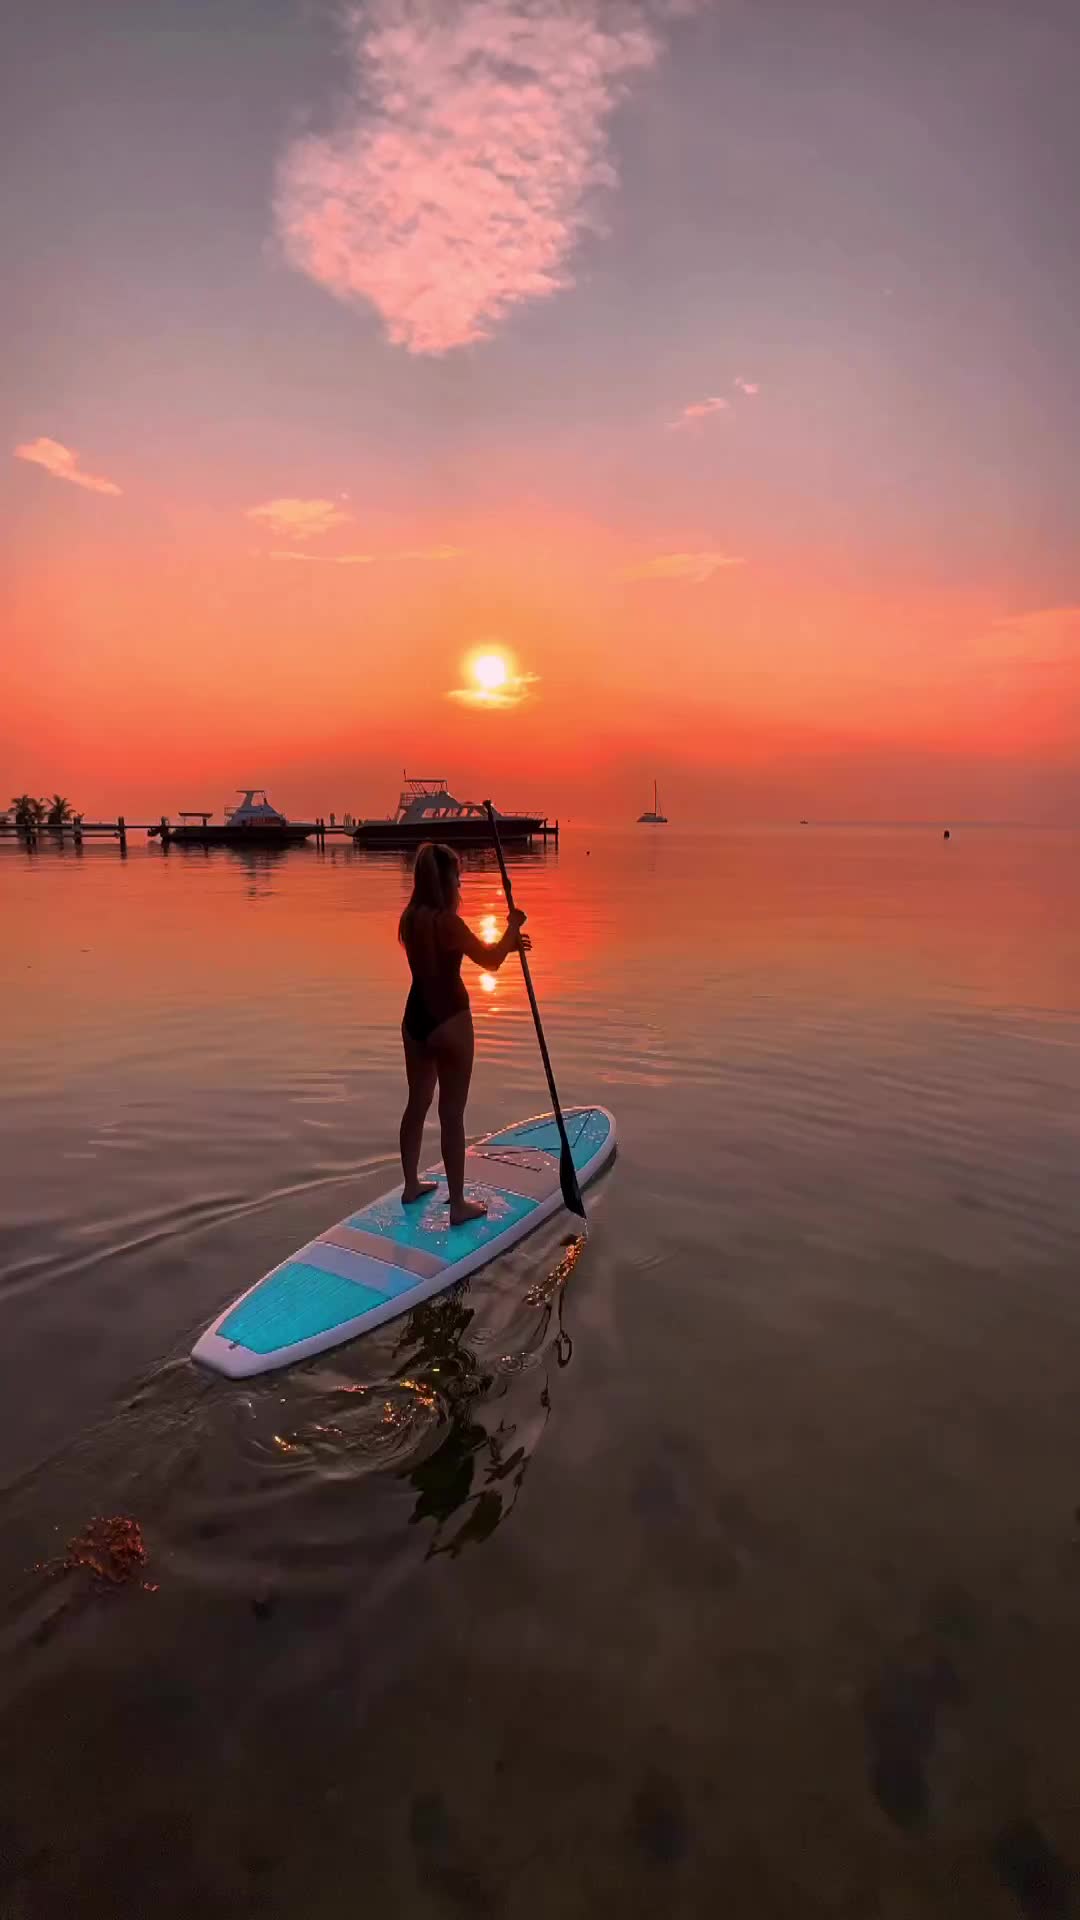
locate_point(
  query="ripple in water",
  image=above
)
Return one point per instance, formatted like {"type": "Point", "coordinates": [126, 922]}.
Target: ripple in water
{"type": "Point", "coordinates": [383, 1426]}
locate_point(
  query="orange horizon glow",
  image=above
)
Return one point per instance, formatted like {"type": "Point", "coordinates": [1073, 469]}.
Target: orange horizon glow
{"type": "Point", "coordinates": [760, 701]}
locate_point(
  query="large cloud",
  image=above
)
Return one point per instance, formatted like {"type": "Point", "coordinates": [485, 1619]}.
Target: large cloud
{"type": "Point", "coordinates": [458, 177]}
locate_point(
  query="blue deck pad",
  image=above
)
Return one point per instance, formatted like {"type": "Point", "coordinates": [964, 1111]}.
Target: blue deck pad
{"type": "Point", "coordinates": [296, 1303]}
{"type": "Point", "coordinates": [586, 1130]}
{"type": "Point", "coordinates": [427, 1224]}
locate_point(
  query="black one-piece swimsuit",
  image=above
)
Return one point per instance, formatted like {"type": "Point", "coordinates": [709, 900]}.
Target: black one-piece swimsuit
{"type": "Point", "coordinates": [436, 994]}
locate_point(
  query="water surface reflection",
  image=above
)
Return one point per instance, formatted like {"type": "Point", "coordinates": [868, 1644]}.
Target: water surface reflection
{"type": "Point", "coordinates": [775, 1485]}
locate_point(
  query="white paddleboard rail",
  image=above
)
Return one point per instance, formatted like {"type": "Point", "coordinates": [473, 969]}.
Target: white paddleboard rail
{"type": "Point", "coordinates": [385, 1259]}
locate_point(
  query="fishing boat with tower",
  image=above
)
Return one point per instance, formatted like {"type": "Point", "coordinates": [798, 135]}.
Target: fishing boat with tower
{"type": "Point", "coordinates": [427, 810]}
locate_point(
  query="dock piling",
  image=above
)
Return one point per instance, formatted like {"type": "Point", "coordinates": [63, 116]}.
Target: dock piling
{"type": "Point", "coordinates": [346, 825]}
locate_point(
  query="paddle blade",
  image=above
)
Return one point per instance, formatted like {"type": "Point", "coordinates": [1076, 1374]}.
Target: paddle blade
{"type": "Point", "coordinates": [568, 1181]}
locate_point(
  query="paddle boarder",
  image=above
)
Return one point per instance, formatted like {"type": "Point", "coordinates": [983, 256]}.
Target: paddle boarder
{"type": "Point", "coordinates": [437, 1030]}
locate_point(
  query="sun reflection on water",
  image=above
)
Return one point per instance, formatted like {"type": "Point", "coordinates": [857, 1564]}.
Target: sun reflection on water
{"type": "Point", "coordinates": [489, 934]}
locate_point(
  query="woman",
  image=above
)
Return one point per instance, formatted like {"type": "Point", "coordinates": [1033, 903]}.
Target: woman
{"type": "Point", "coordinates": [437, 1030]}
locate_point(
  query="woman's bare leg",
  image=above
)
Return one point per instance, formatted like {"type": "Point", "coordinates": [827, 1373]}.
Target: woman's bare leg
{"type": "Point", "coordinates": [421, 1073]}
{"type": "Point", "coordinates": [452, 1044]}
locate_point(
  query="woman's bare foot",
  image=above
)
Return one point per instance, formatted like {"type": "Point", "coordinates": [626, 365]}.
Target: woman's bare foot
{"type": "Point", "coordinates": [410, 1195]}
{"type": "Point", "coordinates": [466, 1210]}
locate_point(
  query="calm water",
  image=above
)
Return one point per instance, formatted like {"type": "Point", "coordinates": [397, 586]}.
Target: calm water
{"type": "Point", "coordinates": [738, 1576]}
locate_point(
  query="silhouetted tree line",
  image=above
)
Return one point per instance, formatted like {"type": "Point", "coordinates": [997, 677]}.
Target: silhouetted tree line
{"type": "Point", "coordinates": [32, 814]}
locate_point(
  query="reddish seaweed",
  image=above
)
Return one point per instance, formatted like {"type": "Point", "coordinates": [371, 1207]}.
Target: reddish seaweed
{"type": "Point", "coordinates": [111, 1549]}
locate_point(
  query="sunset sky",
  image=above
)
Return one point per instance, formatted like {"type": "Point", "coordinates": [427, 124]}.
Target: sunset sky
{"type": "Point", "coordinates": [712, 366]}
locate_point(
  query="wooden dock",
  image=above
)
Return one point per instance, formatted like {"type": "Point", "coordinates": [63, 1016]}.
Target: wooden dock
{"type": "Point", "coordinates": [320, 831]}
{"type": "Point", "coordinates": [78, 828]}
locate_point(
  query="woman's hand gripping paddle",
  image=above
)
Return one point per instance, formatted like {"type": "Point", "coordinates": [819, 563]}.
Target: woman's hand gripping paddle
{"type": "Point", "coordinates": [568, 1179]}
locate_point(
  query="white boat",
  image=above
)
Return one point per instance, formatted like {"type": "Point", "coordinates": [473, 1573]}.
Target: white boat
{"type": "Point", "coordinates": [427, 810]}
{"type": "Point", "coordinates": [655, 818]}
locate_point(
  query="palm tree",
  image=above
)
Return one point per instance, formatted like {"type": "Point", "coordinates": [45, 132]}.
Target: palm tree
{"type": "Point", "coordinates": [59, 811]}
{"type": "Point", "coordinates": [29, 813]}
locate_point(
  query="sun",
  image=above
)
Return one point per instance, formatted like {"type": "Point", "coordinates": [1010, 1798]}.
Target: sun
{"type": "Point", "coordinates": [490, 671]}
{"type": "Point", "coordinates": [492, 682]}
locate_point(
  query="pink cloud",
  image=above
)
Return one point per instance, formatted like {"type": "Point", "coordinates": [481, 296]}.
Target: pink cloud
{"type": "Point", "coordinates": [457, 180]}
{"type": "Point", "coordinates": [63, 463]}
{"type": "Point", "coordinates": [324, 559]}
{"type": "Point", "coordinates": [303, 519]}
{"type": "Point", "coordinates": [430, 553]}
{"type": "Point", "coordinates": [695, 567]}
{"type": "Point", "coordinates": [699, 410]}
{"type": "Point", "coordinates": [362, 559]}
{"type": "Point", "coordinates": [746, 386]}
{"type": "Point", "coordinates": [1046, 636]}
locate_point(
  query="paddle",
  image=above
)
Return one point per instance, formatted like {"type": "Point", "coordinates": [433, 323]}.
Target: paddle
{"type": "Point", "coordinates": [568, 1179]}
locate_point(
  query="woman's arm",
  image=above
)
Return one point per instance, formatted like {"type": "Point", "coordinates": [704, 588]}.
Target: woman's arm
{"type": "Point", "coordinates": [460, 938]}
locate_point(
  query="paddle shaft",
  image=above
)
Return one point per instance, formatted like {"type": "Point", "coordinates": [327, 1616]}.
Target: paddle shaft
{"type": "Point", "coordinates": [571, 1191]}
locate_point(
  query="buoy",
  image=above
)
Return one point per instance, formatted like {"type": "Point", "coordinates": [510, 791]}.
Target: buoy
{"type": "Point", "coordinates": [945, 835]}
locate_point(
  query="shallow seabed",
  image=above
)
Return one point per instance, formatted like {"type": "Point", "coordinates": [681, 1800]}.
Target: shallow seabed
{"type": "Point", "coordinates": [735, 1572]}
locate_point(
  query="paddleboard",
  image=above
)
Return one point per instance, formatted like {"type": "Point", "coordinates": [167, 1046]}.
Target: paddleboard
{"type": "Point", "coordinates": [385, 1259]}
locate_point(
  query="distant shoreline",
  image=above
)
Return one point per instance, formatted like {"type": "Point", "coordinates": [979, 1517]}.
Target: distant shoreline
{"type": "Point", "coordinates": [574, 828]}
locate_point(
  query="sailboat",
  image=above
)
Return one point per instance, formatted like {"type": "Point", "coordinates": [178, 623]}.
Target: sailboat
{"type": "Point", "coordinates": [655, 818]}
